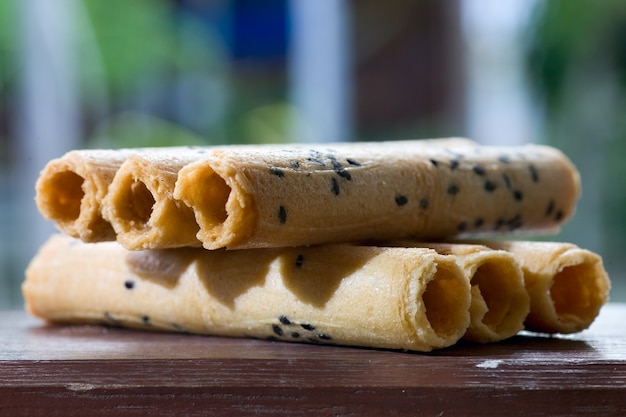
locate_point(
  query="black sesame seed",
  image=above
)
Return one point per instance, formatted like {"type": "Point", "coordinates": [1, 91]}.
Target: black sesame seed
{"type": "Point", "coordinates": [462, 227]}
{"type": "Point", "coordinates": [343, 174]}
{"type": "Point", "coordinates": [353, 162]}
{"type": "Point", "coordinates": [479, 170]}
{"type": "Point", "coordinates": [307, 327]}
{"type": "Point", "coordinates": [111, 319]}
{"type": "Point", "coordinates": [490, 186]}
{"type": "Point", "coordinates": [507, 180]}
{"type": "Point", "coordinates": [277, 171]}
{"type": "Point", "coordinates": [533, 173]}
{"type": "Point", "coordinates": [284, 320]}
{"type": "Point", "coordinates": [145, 320]}
{"type": "Point", "coordinates": [550, 208]}
{"type": "Point", "coordinates": [178, 327]}
{"type": "Point", "coordinates": [129, 284]}
{"type": "Point", "coordinates": [324, 336]}
{"type": "Point", "coordinates": [339, 169]}
{"type": "Point", "coordinates": [299, 260]}
{"type": "Point", "coordinates": [518, 195]}
{"type": "Point", "coordinates": [295, 335]}
{"type": "Point", "coordinates": [514, 222]}
{"type": "Point", "coordinates": [558, 216]}
{"type": "Point", "coordinates": [424, 203]}
{"type": "Point", "coordinates": [282, 214]}
{"type": "Point", "coordinates": [479, 222]}
{"type": "Point", "coordinates": [316, 158]}
{"type": "Point", "coordinates": [514, 219]}
{"type": "Point", "coordinates": [499, 223]}
{"type": "Point", "coordinates": [277, 329]}
{"type": "Point", "coordinates": [454, 164]}
{"type": "Point", "coordinates": [453, 189]}
{"type": "Point", "coordinates": [335, 186]}
{"type": "Point", "coordinates": [434, 162]}
{"type": "Point", "coordinates": [401, 200]}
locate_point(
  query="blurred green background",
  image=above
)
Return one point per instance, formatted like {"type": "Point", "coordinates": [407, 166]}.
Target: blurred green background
{"type": "Point", "coordinates": [119, 73]}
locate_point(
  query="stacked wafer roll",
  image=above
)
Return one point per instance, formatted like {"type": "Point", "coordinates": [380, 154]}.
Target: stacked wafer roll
{"type": "Point", "coordinates": [364, 244]}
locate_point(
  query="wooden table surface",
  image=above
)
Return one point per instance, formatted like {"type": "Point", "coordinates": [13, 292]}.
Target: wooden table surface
{"type": "Point", "coordinates": [93, 370]}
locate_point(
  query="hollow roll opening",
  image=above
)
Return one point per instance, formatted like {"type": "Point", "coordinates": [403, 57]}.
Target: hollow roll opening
{"type": "Point", "coordinates": [446, 301]}
{"type": "Point", "coordinates": [208, 194]}
{"type": "Point", "coordinates": [578, 292]}
{"type": "Point", "coordinates": [502, 289]}
{"type": "Point", "coordinates": [135, 204]}
{"type": "Point", "coordinates": [62, 196]}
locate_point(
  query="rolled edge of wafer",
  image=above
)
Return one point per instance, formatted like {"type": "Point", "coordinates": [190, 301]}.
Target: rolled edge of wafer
{"type": "Point", "coordinates": [397, 298]}
{"type": "Point", "coordinates": [568, 285]}
{"type": "Point", "coordinates": [500, 303]}
{"type": "Point", "coordinates": [140, 205]}
{"type": "Point", "coordinates": [70, 190]}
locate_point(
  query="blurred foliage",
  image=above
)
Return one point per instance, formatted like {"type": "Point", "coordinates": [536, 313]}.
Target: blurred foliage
{"type": "Point", "coordinates": [577, 65]}
{"type": "Point", "coordinates": [149, 70]}
{"type": "Point", "coordinates": [569, 34]}
{"type": "Point", "coordinates": [141, 130]}
{"type": "Point", "coordinates": [131, 37]}
{"type": "Point", "coordinates": [8, 42]}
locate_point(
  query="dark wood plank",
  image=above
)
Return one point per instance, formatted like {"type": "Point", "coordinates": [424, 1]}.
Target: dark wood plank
{"type": "Point", "coordinates": [94, 370]}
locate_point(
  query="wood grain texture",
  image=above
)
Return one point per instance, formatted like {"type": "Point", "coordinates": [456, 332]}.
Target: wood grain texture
{"type": "Point", "coordinates": [93, 370]}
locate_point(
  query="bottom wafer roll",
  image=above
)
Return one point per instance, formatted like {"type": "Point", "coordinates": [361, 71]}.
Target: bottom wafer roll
{"type": "Point", "coordinates": [567, 285]}
{"type": "Point", "coordinates": [398, 298]}
{"type": "Point", "coordinates": [500, 302]}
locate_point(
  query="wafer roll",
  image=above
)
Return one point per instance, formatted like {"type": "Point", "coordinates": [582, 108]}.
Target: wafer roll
{"type": "Point", "coordinates": [140, 205]}
{"type": "Point", "coordinates": [398, 298]}
{"type": "Point", "coordinates": [253, 198]}
{"type": "Point", "coordinates": [70, 190]}
{"type": "Point", "coordinates": [567, 285]}
{"type": "Point", "coordinates": [500, 302]}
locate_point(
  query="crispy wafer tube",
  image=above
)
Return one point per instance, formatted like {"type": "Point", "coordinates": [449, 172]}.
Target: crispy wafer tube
{"type": "Point", "coordinates": [500, 302]}
{"type": "Point", "coordinates": [70, 190]}
{"type": "Point", "coordinates": [398, 298]}
{"type": "Point", "coordinates": [567, 285]}
{"type": "Point", "coordinates": [140, 205]}
{"type": "Point", "coordinates": [249, 197]}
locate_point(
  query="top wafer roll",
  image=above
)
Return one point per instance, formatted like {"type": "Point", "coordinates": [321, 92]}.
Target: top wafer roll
{"type": "Point", "coordinates": [251, 197]}
{"type": "Point", "coordinates": [140, 203]}
{"type": "Point", "coordinates": [294, 195]}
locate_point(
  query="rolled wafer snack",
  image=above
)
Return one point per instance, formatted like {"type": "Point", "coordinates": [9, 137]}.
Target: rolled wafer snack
{"type": "Point", "coordinates": [399, 298]}
{"type": "Point", "coordinates": [500, 302]}
{"type": "Point", "coordinates": [567, 285]}
{"type": "Point", "coordinates": [254, 197]}
{"type": "Point", "coordinates": [70, 190]}
{"type": "Point", "coordinates": [140, 203]}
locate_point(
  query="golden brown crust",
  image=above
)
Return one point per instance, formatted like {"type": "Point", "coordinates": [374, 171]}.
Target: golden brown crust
{"type": "Point", "coordinates": [249, 197]}
{"type": "Point", "coordinates": [399, 298]}
{"type": "Point", "coordinates": [500, 302]}
{"type": "Point", "coordinates": [140, 205]}
{"type": "Point", "coordinates": [567, 285]}
{"type": "Point", "coordinates": [70, 190]}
